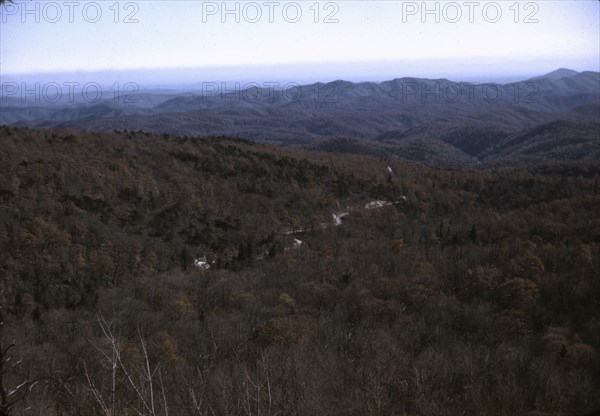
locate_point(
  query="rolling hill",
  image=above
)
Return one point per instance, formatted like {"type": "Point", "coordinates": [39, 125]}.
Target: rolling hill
{"type": "Point", "coordinates": [220, 272]}
{"type": "Point", "coordinates": [433, 114]}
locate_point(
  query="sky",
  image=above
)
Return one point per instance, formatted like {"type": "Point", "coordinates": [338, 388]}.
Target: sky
{"type": "Point", "coordinates": [167, 42]}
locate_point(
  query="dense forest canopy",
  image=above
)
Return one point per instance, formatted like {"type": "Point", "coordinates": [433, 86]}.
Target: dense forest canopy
{"type": "Point", "coordinates": [153, 274]}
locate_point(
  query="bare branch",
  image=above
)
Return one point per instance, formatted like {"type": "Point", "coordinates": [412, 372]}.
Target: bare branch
{"type": "Point", "coordinates": [162, 387]}
{"type": "Point", "coordinates": [92, 387]}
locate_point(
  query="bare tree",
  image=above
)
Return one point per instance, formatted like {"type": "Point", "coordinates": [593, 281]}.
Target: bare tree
{"type": "Point", "coordinates": [10, 396]}
{"type": "Point", "coordinates": [142, 381]}
{"type": "Point", "coordinates": [108, 405]}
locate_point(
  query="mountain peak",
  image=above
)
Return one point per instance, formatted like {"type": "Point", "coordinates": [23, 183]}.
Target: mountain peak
{"type": "Point", "coordinates": [558, 74]}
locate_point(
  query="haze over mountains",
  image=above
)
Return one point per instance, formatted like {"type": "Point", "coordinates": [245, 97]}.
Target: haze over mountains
{"type": "Point", "coordinates": [554, 116]}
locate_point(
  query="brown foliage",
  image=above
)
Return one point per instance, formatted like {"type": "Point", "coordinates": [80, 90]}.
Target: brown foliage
{"type": "Point", "coordinates": [284, 331]}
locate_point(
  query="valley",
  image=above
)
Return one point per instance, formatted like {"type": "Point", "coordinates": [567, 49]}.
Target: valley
{"type": "Point", "coordinates": [219, 276]}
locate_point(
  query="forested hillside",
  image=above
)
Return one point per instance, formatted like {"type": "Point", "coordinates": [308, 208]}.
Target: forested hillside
{"type": "Point", "coordinates": [145, 274]}
{"type": "Point", "coordinates": [434, 121]}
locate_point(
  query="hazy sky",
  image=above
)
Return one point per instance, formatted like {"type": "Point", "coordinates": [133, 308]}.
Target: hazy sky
{"type": "Point", "coordinates": [304, 39]}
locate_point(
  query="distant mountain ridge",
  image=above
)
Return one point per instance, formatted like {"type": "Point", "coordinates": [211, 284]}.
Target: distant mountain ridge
{"type": "Point", "coordinates": [557, 74]}
{"type": "Point", "coordinates": [430, 120]}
